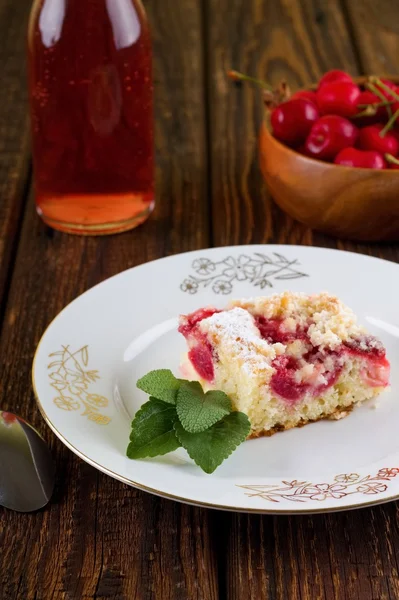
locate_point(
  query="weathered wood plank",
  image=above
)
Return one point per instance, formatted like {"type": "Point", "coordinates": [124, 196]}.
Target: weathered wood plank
{"type": "Point", "coordinates": [14, 138]}
{"type": "Point", "coordinates": [376, 33]}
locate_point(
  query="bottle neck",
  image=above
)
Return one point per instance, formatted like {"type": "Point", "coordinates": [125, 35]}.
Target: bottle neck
{"type": "Point", "coordinates": [127, 19]}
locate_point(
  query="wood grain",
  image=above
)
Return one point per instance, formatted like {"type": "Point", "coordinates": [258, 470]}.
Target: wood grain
{"type": "Point", "coordinates": [101, 539]}
{"type": "Point", "coordinates": [375, 30]}
{"type": "Point", "coordinates": [348, 556]}
{"type": "Point", "coordinates": [14, 142]}
{"type": "Point", "coordinates": [295, 40]}
{"type": "Point", "coordinates": [98, 538]}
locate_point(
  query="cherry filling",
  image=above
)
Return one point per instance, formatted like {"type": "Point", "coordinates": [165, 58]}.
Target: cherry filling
{"type": "Point", "coordinates": [377, 368]}
{"type": "Point", "coordinates": [286, 382]}
{"type": "Point", "coordinates": [366, 346]}
{"type": "Point", "coordinates": [189, 323]}
{"type": "Point", "coordinates": [327, 365]}
{"type": "Point", "coordinates": [273, 331]}
{"type": "Point", "coordinates": [201, 353]}
{"type": "Point", "coordinates": [283, 382]}
{"type": "Point", "coordinates": [201, 358]}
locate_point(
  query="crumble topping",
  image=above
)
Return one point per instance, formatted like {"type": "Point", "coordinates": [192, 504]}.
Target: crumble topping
{"type": "Point", "coordinates": [329, 321]}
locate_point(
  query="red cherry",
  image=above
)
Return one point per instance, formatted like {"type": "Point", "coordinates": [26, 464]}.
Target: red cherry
{"type": "Point", "coordinates": [368, 98]}
{"type": "Point", "coordinates": [388, 96]}
{"type": "Point", "coordinates": [393, 162]}
{"type": "Point", "coordinates": [308, 94]}
{"type": "Point", "coordinates": [338, 98]}
{"type": "Point", "coordinates": [370, 139]}
{"type": "Point", "coordinates": [329, 135]}
{"type": "Point", "coordinates": [334, 75]}
{"type": "Point", "coordinates": [291, 121]}
{"type": "Point", "coordinates": [395, 105]}
{"type": "Point", "coordinates": [366, 159]}
{"type": "Point", "coordinates": [389, 84]}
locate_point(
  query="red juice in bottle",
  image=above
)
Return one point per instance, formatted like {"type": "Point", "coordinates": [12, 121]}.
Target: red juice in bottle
{"type": "Point", "coordinates": [91, 99]}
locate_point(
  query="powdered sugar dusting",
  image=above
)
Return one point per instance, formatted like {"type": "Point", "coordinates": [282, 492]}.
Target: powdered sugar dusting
{"type": "Point", "coordinates": [234, 332]}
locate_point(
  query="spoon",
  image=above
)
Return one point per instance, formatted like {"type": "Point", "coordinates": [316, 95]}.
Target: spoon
{"type": "Point", "coordinates": [27, 472]}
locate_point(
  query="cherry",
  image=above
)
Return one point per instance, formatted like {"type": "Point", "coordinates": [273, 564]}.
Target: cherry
{"type": "Point", "coordinates": [338, 98]}
{"type": "Point", "coordinates": [291, 121]}
{"type": "Point", "coordinates": [393, 163]}
{"type": "Point", "coordinates": [329, 135]}
{"type": "Point", "coordinates": [366, 159]}
{"type": "Point", "coordinates": [366, 346]}
{"type": "Point", "coordinates": [308, 94]}
{"type": "Point", "coordinates": [367, 98]}
{"type": "Point", "coordinates": [370, 139]}
{"type": "Point", "coordinates": [334, 75]}
{"type": "Point", "coordinates": [390, 91]}
{"type": "Point", "coordinates": [273, 331]}
{"type": "Point", "coordinates": [201, 358]}
{"type": "Point", "coordinates": [283, 382]}
{"type": "Point", "coordinates": [188, 324]}
{"type": "Point", "coordinates": [389, 84]}
{"type": "Point", "coordinates": [384, 84]}
{"type": "Point", "coordinates": [395, 103]}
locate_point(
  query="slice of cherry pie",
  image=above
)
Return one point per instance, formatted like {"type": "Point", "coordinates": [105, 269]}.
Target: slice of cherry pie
{"type": "Point", "coordinates": [285, 360]}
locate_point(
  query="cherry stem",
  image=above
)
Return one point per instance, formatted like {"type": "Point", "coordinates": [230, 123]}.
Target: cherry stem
{"type": "Point", "coordinates": [373, 88]}
{"type": "Point", "coordinates": [391, 159]}
{"type": "Point", "coordinates": [389, 124]}
{"type": "Point", "coordinates": [237, 76]}
{"type": "Point", "coordinates": [369, 111]}
{"type": "Point", "coordinates": [385, 87]}
{"type": "Point", "coordinates": [376, 104]}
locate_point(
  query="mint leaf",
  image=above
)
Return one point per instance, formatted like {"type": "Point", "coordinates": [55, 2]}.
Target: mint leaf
{"type": "Point", "coordinates": [210, 448]}
{"type": "Point", "coordinates": [198, 411]}
{"type": "Point", "coordinates": [152, 430]}
{"type": "Point", "coordinates": [161, 384]}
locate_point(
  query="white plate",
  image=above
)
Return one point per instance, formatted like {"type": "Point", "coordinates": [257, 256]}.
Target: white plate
{"type": "Point", "coordinates": [90, 357]}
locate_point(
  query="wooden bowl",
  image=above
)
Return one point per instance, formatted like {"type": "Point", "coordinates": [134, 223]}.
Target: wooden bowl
{"type": "Point", "coordinates": [348, 202]}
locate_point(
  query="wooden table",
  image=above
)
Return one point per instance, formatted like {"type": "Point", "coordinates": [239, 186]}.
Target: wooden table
{"type": "Point", "coordinates": [99, 538]}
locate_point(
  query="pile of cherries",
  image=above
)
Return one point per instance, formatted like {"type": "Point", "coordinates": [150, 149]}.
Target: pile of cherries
{"type": "Point", "coordinates": [340, 122]}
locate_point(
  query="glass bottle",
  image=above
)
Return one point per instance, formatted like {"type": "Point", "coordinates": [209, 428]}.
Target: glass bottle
{"type": "Point", "coordinates": [91, 100]}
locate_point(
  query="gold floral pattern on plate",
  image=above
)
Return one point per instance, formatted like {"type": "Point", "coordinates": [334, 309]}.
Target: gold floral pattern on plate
{"type": "Point", "coordinates": [72, 380]}
{"type": "Point", "coordinates": [342, 486]}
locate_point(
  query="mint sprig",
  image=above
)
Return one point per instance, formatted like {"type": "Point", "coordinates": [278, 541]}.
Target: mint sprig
{"type": "Point", "coordinates": [153, 430]}
{"type": "Point", "coordinates": [210, 448]}
{"type": "Point", "coordinates": [160, 384]}
{"type": "Point", "coordinates": [179, 413]}
{"type": "Point", "coordinates": [198, 411]}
